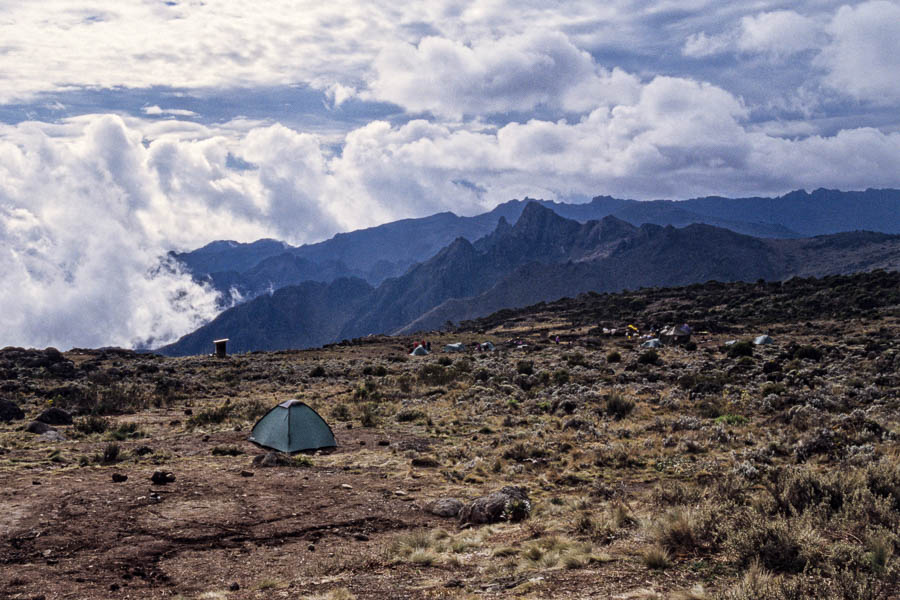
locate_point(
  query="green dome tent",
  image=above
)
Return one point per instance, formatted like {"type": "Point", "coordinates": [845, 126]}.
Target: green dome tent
{"type": "Point", "coordinates": [292, 426]}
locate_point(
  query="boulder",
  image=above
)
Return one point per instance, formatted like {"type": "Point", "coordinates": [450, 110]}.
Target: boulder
{"type": "Point", "coordinates": [444, 507]}
{"type": "Point", "coordinates": [509, 504]}
{"type": "Point", "coordinates": [55, 416]}
{"type": "Point", "coordinates": [9, 411]}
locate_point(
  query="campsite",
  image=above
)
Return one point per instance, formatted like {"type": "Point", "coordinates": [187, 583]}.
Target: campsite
{"type": "Point", "coordinates": [689, 470]}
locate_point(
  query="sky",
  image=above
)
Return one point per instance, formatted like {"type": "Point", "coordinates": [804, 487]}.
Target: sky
{"type": "Point", "coordinates": [129, 129]}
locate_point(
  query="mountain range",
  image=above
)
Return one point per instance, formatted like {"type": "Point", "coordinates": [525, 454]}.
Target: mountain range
{"type": "Point", "coordinates": [243, 271]}
{"type": "Point", "coordinates": [543, 256]}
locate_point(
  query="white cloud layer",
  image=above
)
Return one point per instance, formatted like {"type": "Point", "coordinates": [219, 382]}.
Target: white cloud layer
{"type": "Point", "coordinates": [863, 58]}
{"type": "Point", "coordinates": [515, 73]}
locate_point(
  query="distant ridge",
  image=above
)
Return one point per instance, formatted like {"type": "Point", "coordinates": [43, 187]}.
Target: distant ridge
{"type": "Point", "coordinates": [542, 257]}
{"type": "Point", "coordinates": [244, 271]}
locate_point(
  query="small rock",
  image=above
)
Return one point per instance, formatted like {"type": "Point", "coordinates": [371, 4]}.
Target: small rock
{"type": "Point", "coordinates": [270, 459]}
{"type": "Point", "coordinates": [119, 477]}
{"type": "Point", "coordinates": [162, 477]}
{"type": "Point", "coordinates": [361, 537]}
{"type": "Point", "coordinates": [38, 428]}
{"type": "Point", "coordinates": [311, 548]}
{"type": "Point", "coordinates": [35, 482]}
{"type": "Point", "coordinates": [246, 473]}
{"type": "Point", "coordinates": [384, 443]}
{"type": "Point", "coordinates": [346, 486]}
{"type": "Point", "coordinates": [55, 416]}
{"type": "Point", "coordinates": [444, 507]}
{"type": "Point", "coordinates": [52, 436]}
{"type": "Point", "coordinates": [234, 587]}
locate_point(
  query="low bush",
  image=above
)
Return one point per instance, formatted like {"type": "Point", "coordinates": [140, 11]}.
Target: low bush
{"type": "Point", "coordinates": [617, 406]}
{"type": "Point", "coordinates": [648, 357]}
{"type": "Point", "coordinates": [739, 349]}
{"type": "Point", "coordinates": [525, 367]}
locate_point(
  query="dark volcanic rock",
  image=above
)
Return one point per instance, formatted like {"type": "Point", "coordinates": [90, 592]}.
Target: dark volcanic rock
{"type": "Point", "coordinates": [509, 504]}
{"type": "Point", "coordinates": [55, 416]}
{"type": "Point", "coordinates": [162, 477]}
{"type": "Point", "coordinates": [9, 411]}
{"type": "Point", "coordinates": [38, 428]}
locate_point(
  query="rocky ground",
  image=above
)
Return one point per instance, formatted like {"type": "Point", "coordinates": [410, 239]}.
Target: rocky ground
{"type": "Point", "coordinates": [711, 470]}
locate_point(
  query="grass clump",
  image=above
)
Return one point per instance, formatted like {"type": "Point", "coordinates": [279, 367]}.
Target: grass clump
{"type": "Point", "coordinates": [126, 431]}
{"type": "Point", "coordinates": [92, 424]}
{"type": "Point", "coordinates": [656, 557]}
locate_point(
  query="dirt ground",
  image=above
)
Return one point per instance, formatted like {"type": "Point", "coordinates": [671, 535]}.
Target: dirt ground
{"type": "Point", "coordinates": [226, 529]}
{"type": "Point", "coordinates": [713, 471]}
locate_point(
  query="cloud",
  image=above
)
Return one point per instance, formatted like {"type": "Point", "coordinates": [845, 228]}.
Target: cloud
{"type": "Point", "coordinates": [780, 32]}
{"type": "Point", "coordinates": [156, 111]}
{"type": "Point", "coordinates": [80, 266]}
{"type": "Point", "coordinates": [513, 73]}
{"type": "Point", "coordinates": [701, 45]}
{"type": "Point", "coordinates": [863, 58]}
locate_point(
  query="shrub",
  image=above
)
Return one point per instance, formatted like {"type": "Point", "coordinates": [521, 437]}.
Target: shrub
{"type": "Point", "coordinates": [445, 361]}
{"type": "Point", "coordinates": [576, 359]}
{"type": "Point", "coordinates": [92, 424]}
{"type": "Point", "coordinates": [367, 390]}
{"type": "Point", "coordinates": [482, 375]}
{"type": "Point", "coordinates": [369, 415]}
{"type": "Point", "coordinates": [377, 371]}
{"type": "Point", "coordinates": [405, 416]}
{"type": "Point", "coordinates": [341, 412]}
{"type": "Point", "coordinates": [742, 348]}
{"type": "Point", "coordinates": [317, 371]}
{"type": "Point", "coordinates": [126, 431]}
{"type": "Point", "coordinates": [730, 419]}
{"type": "Point", "coordinates": [618, 406]}
{"type": "Point", "coordinates": [213, 415]}
{"type": "Point", "coordinates": [561, 376]}
{"type": "Point", "coordinates": [111, 453]}
{"type": "Point", "coordinates": [434, 374]}
{"type": "Point", "coordinates": [649, 357]}
{"type": "Point", "coordinates": [775, 542]}
{"type": "Point", "coordinates": [613, 357]}
{"type": "Point", "coordinates": [463, 365]}
{"type": "Point", "coordinates": [808, 352]}
{"type": "Point", "coordinates": [525, 367]}
{"type": "Point", "coordinates": [678, 531]}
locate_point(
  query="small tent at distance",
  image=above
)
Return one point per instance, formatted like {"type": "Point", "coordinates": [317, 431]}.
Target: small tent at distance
{"type": "Point", "coordinates": [292, 426]}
